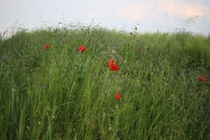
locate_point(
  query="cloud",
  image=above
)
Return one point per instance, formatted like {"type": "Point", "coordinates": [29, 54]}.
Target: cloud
{"type": "Point", "coordinates": [135, 11]}
{"type": "Point", "coordinates": [162, 10]}
{"type": "Point", "coordinates": [183, 9]}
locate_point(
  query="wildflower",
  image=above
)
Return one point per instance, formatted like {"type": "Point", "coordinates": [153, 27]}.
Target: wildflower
{"type": "Point", "coordinates": [117, 96]}
{"type": "Point", "coordinates": [112, 65]}
{"type": "Point", "coordinates": [46, 46]}
{"type": "Point", "coordinates": [202, 78]}
{"type": "Point", "coordinates": [81, 48]}
{"type": "Point", "coordinates": [113, 51]}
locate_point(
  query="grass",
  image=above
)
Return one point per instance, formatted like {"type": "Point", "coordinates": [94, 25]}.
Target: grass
{"type": "Point", "coordinates": [60, 93]}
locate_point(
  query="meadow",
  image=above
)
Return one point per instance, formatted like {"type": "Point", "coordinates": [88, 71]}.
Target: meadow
{"type": "Point", "coordinates": [50, 89]}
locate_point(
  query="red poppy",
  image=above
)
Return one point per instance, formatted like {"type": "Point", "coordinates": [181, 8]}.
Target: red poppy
{"type": "Point", "coordinates": [46, 46]}
{"type": "Point", "coordinates": [81, 48]}
{"type": "Point", "coordinates": [112, 65]}
{"type": "Point", "coordinates": [202, 78]}
{"type": "Point", "coordinates": [117, 96]}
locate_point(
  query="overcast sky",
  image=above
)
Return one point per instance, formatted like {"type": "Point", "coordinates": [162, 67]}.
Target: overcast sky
{"type": "Point", "coordinates": [148, 15]}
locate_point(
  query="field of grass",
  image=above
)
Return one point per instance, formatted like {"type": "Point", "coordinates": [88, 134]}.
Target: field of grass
{"type": "Point", "coordinates": [61, 93]}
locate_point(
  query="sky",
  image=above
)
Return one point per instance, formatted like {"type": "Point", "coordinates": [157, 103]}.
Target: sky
{"type": "Point", "coordinates": [146, 15]}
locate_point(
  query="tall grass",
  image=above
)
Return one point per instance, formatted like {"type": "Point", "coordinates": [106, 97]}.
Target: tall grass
{"type": "Point", "coordinates": [60, 93]}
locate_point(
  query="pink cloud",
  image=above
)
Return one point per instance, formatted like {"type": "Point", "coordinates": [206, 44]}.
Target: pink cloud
{"type": "Point", "coordinates": [135, 11]}
{"type": "Point", "coordinates": [158, 9]}
{"type": "Point", "coordinates": [183, 9]}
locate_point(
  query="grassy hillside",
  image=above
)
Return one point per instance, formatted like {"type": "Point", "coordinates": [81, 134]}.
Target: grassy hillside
{"type": "Point", "coordinates": [61, 93]}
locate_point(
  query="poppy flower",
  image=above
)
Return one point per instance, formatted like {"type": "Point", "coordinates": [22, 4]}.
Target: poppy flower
{"type": "Point", "coordinates": [202, 78]}
{"type": "Point", "coordinates": [46, 46]}
{"type": "Point", "coordinates": [112, 65]}
{"type": "Point", "coordinates": [81, 48]}
{"type": "Point", "coordinates": [117, 96]}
